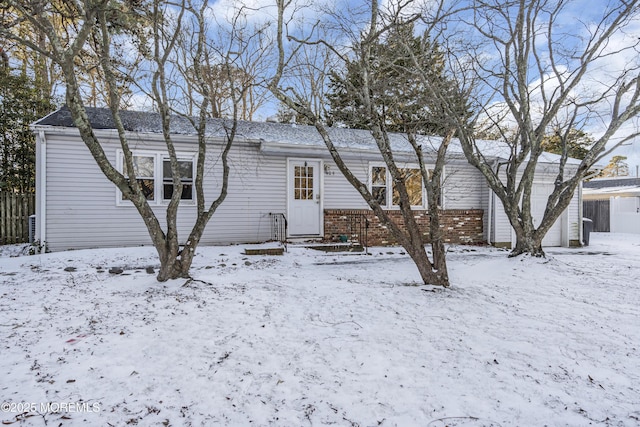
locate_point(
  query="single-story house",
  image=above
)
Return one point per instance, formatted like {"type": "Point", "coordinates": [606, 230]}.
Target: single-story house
{"type": "Point", "coordinates": [275, 169]}
{"type": "Point", "coordinates": [613, 204]}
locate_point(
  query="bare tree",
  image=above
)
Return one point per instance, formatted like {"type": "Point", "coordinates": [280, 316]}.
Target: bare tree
{"type": "Point", "coordinates": [233, 66]}
{"type": "Point", "coordinates": [99, 20]}
{"type": "Point", "coordinates": [45, 72]}
{"type": "Point", "coordinates": [542, 78]}
{"type": "Point", "coordinates": [38, 66]}
{"type": "Point", "coordinates": [375, 109]}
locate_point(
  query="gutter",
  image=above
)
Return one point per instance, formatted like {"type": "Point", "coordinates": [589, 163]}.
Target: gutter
{"type": "Point", "coordinates": [283, 148]}
{"type": "Point", "coordinates": [112, 136]}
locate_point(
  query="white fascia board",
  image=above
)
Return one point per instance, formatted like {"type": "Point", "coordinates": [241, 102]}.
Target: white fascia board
{"type": "Point", "coordinates": [287, 149]}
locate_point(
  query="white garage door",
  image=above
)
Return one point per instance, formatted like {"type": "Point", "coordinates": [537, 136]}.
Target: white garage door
{"type": "Point", "coordinates": [539, 195]}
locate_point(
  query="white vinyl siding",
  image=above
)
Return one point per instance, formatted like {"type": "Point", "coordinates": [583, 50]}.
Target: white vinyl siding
{"type": "Point", "coordinates": [566, 228]}
{"type": "Point", "coordinates": [501, 229]}
{"type": "Point", "coordinates": [464, 186]}
{"type": "Point", "coordinates": [338, 192]}
{"type": "Point", "coordinates": [575, 221]}
{"type": "Point", "coordinates": [81, 212]}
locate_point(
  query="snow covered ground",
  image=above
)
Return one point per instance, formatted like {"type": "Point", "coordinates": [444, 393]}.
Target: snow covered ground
{"type": "Point", "coordinates": [310, 338]}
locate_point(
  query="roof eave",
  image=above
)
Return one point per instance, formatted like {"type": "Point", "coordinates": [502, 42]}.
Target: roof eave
{"type": "Point", "coordinates": [112, 134]}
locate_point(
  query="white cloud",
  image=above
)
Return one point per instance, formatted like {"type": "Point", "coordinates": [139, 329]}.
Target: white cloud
{"type": "Point", "coordinates": [619, 57]}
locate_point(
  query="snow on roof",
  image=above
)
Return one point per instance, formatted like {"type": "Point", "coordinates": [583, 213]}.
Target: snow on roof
{"type": "Point", "coordinates": [149, 122]}
{"type": "Point", "coordinates": [613, 191]}
{"type": "Point", "coordinates": [611, 183]}
{"type": "Point", "coordinates": [281, 133]}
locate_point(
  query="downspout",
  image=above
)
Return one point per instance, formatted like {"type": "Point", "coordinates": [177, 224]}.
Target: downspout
{"type": "Point", "coordinates": [41, 190]}
{"type": "Point", "coordinates": [443, 190]}
{"type": "Point", "coordinates": [490, 213]}
{"type": "Point", "coordinates": [490, 216]}
{"type": "Point", "coordinates": [580, 214]}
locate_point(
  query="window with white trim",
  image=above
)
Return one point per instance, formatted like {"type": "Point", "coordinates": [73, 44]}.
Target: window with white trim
{"type": "Point", "coordinates": [153, 173]}
{"type": "Point", "coordinates": [185, 168]}
{"type": "Point", "coordinates": [413, 183]}
{"type": "Point", "coordinates": [144, 169]}
{"type": "Point", "coordinates": [379, 184]}
{"type": "Point", "coordinates": [387, 195]}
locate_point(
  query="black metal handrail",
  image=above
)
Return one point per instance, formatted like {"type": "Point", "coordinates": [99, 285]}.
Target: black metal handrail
{"type": "Point", "coordinates": [359, 230]}
{"type": "Point", "coordinates": [279, 228]}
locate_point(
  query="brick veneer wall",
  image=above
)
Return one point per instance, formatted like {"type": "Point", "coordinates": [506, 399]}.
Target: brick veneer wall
{"type": "Point", "coordinates": [458, 225]}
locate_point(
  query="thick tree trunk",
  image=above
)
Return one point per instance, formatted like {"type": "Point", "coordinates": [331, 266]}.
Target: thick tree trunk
{"type": "Point", "coordinates": [175, 265]}
{"type": "Point", "coordinates": [527, 246]}
{"type": "Point", "coordinates": [428, 273]}
{"type": "Point", "coordinates": [173, 269]}
{"type": "Point", "coordinates": [527, 243]}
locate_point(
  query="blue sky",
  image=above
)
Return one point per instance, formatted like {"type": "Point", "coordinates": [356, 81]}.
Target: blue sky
{"type": "Point", "coordinates": [575, 23]}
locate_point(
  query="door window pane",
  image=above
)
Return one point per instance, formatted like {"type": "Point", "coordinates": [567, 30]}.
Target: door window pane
{"type": "Point", "coordinates": [303, 183]}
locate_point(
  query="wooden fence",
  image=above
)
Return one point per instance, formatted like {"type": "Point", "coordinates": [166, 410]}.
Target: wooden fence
{"type": "Point", "coordinates": [15, 210]}
{"type": "Point", "coordinates": [597, 211]}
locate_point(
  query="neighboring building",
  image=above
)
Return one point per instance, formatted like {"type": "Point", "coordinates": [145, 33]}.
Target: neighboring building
{"type": "Point", "coordinates": [613, 204]}
{"type": "Point", "coordinates": [275, 168]}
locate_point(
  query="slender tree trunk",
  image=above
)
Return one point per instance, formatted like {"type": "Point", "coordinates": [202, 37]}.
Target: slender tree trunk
{"type": "Point", "coordinates": [437, 246]}
{"type": "Point", "coordinates": [5, 59]}
{"type": "Point", "coordinates": [411, 236]}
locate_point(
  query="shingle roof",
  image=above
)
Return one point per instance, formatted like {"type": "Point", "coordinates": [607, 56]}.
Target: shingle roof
{"type": "Point", "coordinates": [149, 122]}
{"type": "Point", "coordinates": [613, 182]}
{"type": "Point", "coordinates": [281, 133]}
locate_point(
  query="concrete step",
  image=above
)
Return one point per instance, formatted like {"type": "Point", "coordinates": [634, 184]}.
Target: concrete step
{"type": "Point", "coordinates": [264, 251]}
{"type": "Point", "coordinates": [336, 247]}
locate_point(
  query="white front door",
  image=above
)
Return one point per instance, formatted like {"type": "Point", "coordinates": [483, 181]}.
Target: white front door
{"type": "Point", "coordinates": [304, 197]}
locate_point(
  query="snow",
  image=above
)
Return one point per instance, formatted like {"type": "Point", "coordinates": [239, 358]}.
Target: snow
{"type": "Point", "coordinates": [278, 134]}
{"type": "Point", "coordinates": [311, 338]}
{"type": "Point", "coordinates": [629, 189]}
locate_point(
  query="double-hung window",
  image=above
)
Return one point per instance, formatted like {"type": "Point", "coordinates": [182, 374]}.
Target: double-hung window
{"type": "Point", "coordinates": [384, 191]}
{"type": "Point", "coordinates": [153, 173]}
{"type": "Point", "coordinates": [144, 169]}
{"type": "Point", "coordinates": [379, 184]}
{"type": "Point", "coordinates": [185, 168]}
